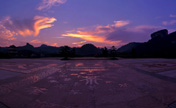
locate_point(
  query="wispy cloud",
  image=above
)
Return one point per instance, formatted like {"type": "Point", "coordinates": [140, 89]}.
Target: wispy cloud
{"type": "Point", "coordinates": [6, 36]}
{"type": "Point", "coordinates": [138, 33]}
{"type": "Point", "coordinates": [99, 33]}
{"type": "Point", "coordinates": [90, 36]}
{"type": "Point", "coordinates": [42, 23]}
{"type": "Point", "coordinates": [114, 34]}
{"type": "Point", "coordinates": [59, 37]}
{"type": "Point", "coordinates": [172, 15]}
{"type": "Point", "coordinates": [11, 28]}
{"type": "Point", "coordinates": [54, 44]}
{"type": "Point", "coordinates": [27, 27]}
{"type": "Point", "coordinates": [172, 22]}
{"type": "Point", "coordinates": [79, 42]}
{"type": "Point", "coordinates": [112, 27]}
{"type": "Point", "coordinates": [46, 4]}
{"type": "Point", "coordinates": [36, 41]}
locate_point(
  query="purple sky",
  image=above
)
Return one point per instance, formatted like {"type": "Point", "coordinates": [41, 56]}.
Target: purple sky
{"type": "Point", "coordinates": [77, 22]}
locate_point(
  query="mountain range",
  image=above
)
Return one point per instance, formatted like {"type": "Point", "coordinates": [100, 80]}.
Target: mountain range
{"type": "Point", "coordinates": [29, 51]}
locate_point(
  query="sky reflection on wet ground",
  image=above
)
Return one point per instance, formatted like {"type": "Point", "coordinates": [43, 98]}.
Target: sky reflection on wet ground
{"type": "Point", "coordinates": [81, 84]}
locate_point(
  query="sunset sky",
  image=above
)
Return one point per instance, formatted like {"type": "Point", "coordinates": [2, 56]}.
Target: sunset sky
{"type": "Point", "coordinates": [77, 22]}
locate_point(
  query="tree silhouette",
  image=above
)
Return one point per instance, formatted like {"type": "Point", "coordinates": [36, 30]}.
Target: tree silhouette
{"type": "Point", "coordinates": [73, 52]}
{"type": "Point", "coordinates": [113, 53]}
{"type": "Point", "coordinates": [105, 52]}
{"type": "Point", "coordinates": [65, 52]}
{"type": "Point", "coordinates": [12, 51]}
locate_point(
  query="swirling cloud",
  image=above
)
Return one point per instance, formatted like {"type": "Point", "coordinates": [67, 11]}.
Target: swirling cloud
{"type": "Point", "coordinates": [46, 4]}
{"type": "Point", "coordinates": [42, 23]}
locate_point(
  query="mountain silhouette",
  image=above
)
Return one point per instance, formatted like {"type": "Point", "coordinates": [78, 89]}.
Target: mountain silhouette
{"type": "Point", "coordinates": [29, 51]}
{"type": "Point", "coordinates": [47, 49]}
{"type": "Point", "coordinates": [88, 50]}
{"type": "Point", "coordinates": [161, 44]}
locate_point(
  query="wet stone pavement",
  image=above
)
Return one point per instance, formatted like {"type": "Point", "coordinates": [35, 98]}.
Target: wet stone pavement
{"type": "Point", "coordinates": [125, 83]}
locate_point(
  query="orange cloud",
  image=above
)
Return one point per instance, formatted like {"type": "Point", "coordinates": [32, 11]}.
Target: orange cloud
{"type": "Point", "coordinates": [36, 41]}
{"type": "Point", "coordinates": [59, 37]}
{"type": "Point", "coordinates": [25, 32]}
{"type": "Point", "coordinates": [90, 37]}
{"type": "Point", "coordinates": [41, 23]}
{"type": "Point", "coordinates": [9, 29]}
{"type": "Point", "coordinates": [54, 44]}
{"type": "Point", "coordinates": [79, 42]}
{"type": "Point", "coordinates": [46, 4]}
{"type": "Point", "coordinates": [29, 27]}
{"type": "Point", "coordinates": [121, 23]}
{"type": "Point", "coordinates": [7, 37]}
{"type": "Point", "coordinates": [99, 34]}
{"type": "Point", "coordinates": [6, 34]}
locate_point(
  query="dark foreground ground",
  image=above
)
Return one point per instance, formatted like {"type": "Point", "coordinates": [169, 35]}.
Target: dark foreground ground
{"type": "Point", "coordinates": [51, 83]}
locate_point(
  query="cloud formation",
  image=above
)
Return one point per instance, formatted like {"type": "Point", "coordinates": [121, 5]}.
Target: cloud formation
{"type": "Point", "coordinates": [42, 23]}
{"type": "Point", "coordinates": [54, 44]}
{"type": "Point", "coordinates": [11, 28]}
{"type": "Point", "coordinates": [6, 36]}
{"type": "Point", "coordinates": [172, 16]}
{"type": "Point", "coordinates": [28, 27]}
{"type": "Point", "coordinates": [172, 22]}
{"type": "Point", "coordinates": [112, 27]}
{"type": "Point", "coordinates": [99, 34]}
{"type": "Point", "coordinates": [90, 36]}
{"type": "Point", "coordinates": [79, 42]}
{"type": "Point", "coordinates": [46, 4]}
{"type": "Point", "coordinates": [116, 34]}
{"type": "Point", "coordinates": [139, 33]}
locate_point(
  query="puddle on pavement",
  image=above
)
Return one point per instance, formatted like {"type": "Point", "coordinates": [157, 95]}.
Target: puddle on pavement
{"type": "Point", "coordinates": [89, 74]}
{"type": "Point", "coordinates": [37, 91]}
{"type": "Point", "coordinates": [79, 64]}
{"type": "Point", "coordinates": [34, 78]}
{"type": "Point", "coordinates": [24, 67]}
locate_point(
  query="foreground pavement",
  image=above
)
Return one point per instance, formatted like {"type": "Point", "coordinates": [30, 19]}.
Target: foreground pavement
{"type": "Point", "coordinates": [125, 83]}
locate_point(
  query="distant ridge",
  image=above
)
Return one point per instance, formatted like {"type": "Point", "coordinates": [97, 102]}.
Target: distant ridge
{"type": "Point", "coordinates": [28, 51]}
